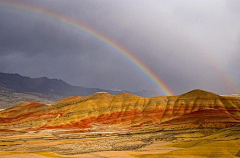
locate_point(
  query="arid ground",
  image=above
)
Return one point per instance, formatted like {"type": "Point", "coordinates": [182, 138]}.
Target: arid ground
{"type": "Point", "coordinates": [195, 124]}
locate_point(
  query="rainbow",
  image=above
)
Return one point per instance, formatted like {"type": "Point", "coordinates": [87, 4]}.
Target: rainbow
{"type": "Point", "coordinates": [162, 86]}
{"type": "Point", "coordinates": [227, 79]}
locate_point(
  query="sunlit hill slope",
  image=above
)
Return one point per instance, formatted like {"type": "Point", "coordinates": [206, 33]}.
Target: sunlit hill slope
{"type": "Point", "coordinates": [195, 109]}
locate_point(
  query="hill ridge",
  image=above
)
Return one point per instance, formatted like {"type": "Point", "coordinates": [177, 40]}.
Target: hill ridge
{"type": "Point", "coordinates": [15, 88]}
{"type": "Point", "coordinates": [126, 110]}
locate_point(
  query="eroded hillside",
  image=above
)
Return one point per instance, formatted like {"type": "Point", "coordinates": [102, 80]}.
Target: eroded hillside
{"type": "Point", "coordinates": [195, 109]}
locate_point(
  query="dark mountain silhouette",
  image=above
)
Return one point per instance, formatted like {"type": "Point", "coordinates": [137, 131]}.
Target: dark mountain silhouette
{"type": "Point", "coordinates": [22, 84]}
{"type": "Point", "coordinates": [15, 88]}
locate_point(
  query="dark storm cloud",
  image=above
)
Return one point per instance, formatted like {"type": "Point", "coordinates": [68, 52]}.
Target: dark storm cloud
{"type": "Point", "coordinates": [184, 42]}
{"type": "Point", "coordinates": [38, 34]}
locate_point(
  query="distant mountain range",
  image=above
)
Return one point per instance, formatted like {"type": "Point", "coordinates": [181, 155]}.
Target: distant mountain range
{"type": "Point", "coordinates": [15, 88]}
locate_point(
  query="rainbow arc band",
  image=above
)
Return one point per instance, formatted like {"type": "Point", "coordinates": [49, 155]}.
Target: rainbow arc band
{"type": "Point", "coordinates": [158, 82]}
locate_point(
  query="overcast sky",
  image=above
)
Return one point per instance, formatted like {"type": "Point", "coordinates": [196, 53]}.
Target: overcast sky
{"type": "Point", "coordinates": [189, 44]}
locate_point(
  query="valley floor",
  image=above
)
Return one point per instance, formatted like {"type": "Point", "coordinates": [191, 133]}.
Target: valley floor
{"type": "Point", "coordinates": [196, 143]}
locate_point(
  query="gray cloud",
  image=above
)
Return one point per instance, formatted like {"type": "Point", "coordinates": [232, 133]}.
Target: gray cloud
{"type": "Point", "coordinates": [188, 44]}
